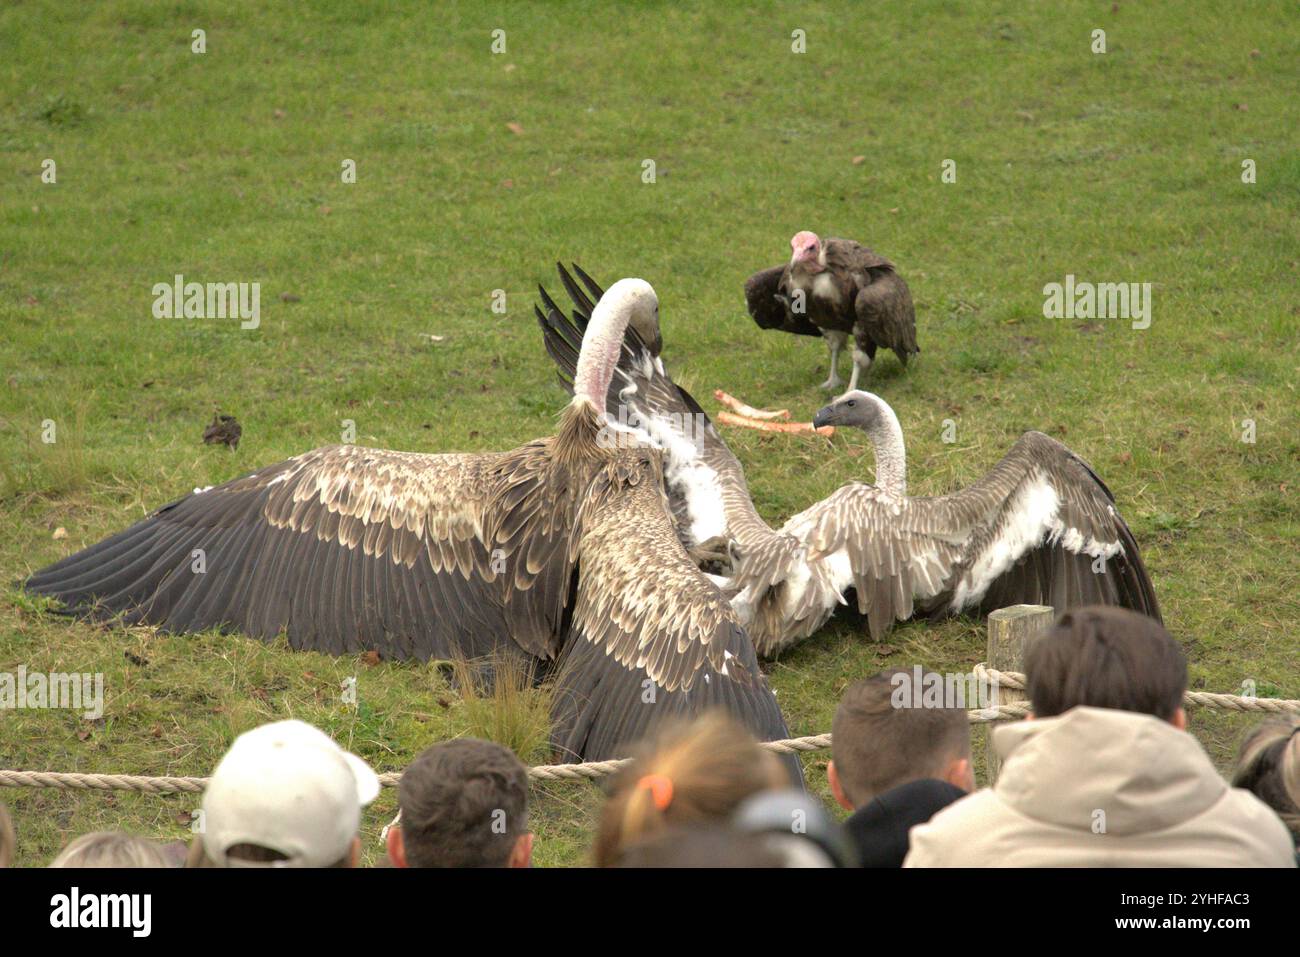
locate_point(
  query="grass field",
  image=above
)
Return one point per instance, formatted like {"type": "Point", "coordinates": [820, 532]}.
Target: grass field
{"type": "Point", "coordinates": [226, 166]}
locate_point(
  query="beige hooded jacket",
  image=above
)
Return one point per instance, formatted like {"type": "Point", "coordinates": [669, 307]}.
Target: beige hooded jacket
{"type": "Point", "coordinates": [1097, 787]}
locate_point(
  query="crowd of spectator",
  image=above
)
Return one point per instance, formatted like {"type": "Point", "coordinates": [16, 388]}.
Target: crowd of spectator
{"type": "Point", "coordinates": [1103, 774]}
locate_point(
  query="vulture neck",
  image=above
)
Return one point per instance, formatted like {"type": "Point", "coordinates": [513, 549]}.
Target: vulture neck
{"type": "Point", "coordinates": [891, 459]}
{"type": "Point", "coordinates": [602, 344]}
{"type": "Point", "coordinates": [578, 438]}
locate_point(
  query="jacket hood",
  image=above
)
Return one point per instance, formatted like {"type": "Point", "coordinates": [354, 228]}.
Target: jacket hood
{"type": "Point", "coordinates": [1142, 773]}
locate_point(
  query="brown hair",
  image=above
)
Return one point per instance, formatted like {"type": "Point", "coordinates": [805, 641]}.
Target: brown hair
{"type": "Point", "coordinates": [110, 849]}
{"type": "Point", "coordinates": [8, 842]}
{"type": "Point", "coordinates": [1269, 766]}
{"type": "Point", "coordinates": [1104, 657]}
{"type": "Point", "coordinates": [249, 855]}
{"type": "Point", "coordinates": [685, 773]}
{"type": "Point", "coordinates": [464, 804]}
{"type": "Point", "coordinates": [878, 745]}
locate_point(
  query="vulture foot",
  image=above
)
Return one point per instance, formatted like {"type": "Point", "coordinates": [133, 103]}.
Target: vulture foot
{"type": "Point", "coordinates": [834, 383]}
{"type": "Point", "coordinates": [714, 556]}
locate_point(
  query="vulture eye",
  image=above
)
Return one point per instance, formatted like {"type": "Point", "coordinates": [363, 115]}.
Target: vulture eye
{"type": "Point", "coordinates": [851, 403]}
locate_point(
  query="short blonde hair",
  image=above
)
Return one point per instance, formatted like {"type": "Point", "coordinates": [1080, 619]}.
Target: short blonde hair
{"type": "Point", "coordinates": [110, 849]}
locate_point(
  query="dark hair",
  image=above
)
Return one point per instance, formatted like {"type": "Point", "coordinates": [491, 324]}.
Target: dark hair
{"type": "Point", "coordinates": [464, 804]}
{"type": "Point", "coordinates": [1104, 657]}
{"type": "Point", "coordinates": [248, 854]}
{"type": "Point", "coordinates": [878, 746]}
{"type": "Point", "coordinates": [1269, 767]}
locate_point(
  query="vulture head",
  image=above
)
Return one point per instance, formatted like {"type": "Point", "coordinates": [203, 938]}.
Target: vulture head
{"type": "Point", "coordinates": [857, 408]}
{"type": "Point", "coordinates": [805, 247]}
{"type": "Point", "coordinates": [627, 302]}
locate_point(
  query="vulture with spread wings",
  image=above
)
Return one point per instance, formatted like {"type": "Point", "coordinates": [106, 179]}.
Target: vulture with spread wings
{"type": "Point", "coordinates": [1040, 528]}
{"type": "Point", "coordinates": [346, 549]}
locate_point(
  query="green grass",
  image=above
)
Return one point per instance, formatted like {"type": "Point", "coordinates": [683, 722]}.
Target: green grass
{"type": "Point", "coordinates": [225, 166]}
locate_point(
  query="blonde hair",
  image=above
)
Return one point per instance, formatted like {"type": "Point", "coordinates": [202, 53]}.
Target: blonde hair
{"type": "Point", "coordinates": [110, 849]}
{"type": "Point", "coordinates": [686, 773]}
{"type": "Point", "coordinates": [8, 842]}
{"type": "Point", "coordinates": [1269, 767]}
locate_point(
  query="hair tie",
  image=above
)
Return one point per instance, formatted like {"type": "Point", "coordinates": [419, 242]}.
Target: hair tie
{"type": "Point", "coordinates": [660, 788]}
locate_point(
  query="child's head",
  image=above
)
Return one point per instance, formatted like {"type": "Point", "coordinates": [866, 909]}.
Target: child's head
{"type": "Point", "coordinates": [110, 849]}
{"type": "Point", "coordinates": [1105, 657]}
{"type": "Point", "coordinates": [1269, 766]}
{"type": "Point", "coordinates": [464, 804]}
{"type": "Point", "coordinates": [684, 774]}
{"type": "Point", "coordinates": [284, 795]}
{"type": "Point", "coordinates": [881, 739]}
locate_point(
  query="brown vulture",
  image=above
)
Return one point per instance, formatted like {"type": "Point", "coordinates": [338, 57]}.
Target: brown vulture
{"type": "Point", "coordinates": [836, 288]}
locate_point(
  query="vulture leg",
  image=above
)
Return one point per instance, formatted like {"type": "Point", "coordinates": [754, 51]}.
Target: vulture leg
{"type": "Point", "coordinates": [835, 342]}
{"type": "Point", "coordinates": [862, 359]}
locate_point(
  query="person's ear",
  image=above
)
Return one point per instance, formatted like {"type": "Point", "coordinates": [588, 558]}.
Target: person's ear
{"type": "Point", "coordinates": [837, 789]}
{"type": "Point", "coordinates": [1179, 719]}
{"type": "Point", "coordinates": [960, 774]}
{"type": "Point", "coordinates": [522, 855]}
{"type": "Point", "coordinates": [396, 849]}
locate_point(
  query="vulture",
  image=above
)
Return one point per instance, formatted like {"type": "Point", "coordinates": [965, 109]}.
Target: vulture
{"type": "Point", "coordinates": [560, 552]}
{"type": "Point", "coordinates": [705, 483]}
{"type": "Point", "coordinates": [1040, 528]}
{"type": "Point", "coordinates": [836, 288]}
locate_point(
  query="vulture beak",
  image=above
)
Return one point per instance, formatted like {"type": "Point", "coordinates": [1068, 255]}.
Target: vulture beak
{"type": "Point", "coordinates": [824, 416]}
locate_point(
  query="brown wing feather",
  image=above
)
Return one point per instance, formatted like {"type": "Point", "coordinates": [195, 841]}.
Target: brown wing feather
{"type": "Point", "coordinates": [651, 637]}
{"type": "Point", "coordinates": [347, 549]}
{"type": "Point", "coordinates": [762, 292]}
{"type": "Point", "coordinates": [1034, 529]}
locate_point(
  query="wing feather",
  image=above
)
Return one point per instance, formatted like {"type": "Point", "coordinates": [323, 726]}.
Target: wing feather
{"type": "Point", "coordinates": [347, 548]}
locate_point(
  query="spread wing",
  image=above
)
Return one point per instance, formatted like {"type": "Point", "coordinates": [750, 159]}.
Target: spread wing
{"type": "Point", "coordinates": [346, 549]}
{"type": "Point", "coordinates": [1040, 528]}
{"type": "Point", "coordinates": [651, 637]}
{"type": "Point", "coordinates": [765, 302]}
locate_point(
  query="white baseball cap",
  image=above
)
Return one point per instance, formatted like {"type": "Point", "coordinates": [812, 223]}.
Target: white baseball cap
{"type": "Point", "coordinates": [288, 787]}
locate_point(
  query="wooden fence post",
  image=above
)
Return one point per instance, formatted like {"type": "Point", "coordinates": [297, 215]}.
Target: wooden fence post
{"type": "Point", "coordinates": [1011, 630]}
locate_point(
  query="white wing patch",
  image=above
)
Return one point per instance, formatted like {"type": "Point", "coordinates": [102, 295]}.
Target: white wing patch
{"type": "Point", "coordinates": [683, 469]}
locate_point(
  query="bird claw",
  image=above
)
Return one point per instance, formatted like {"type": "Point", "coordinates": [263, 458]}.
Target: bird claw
{"type": "Point", "coordinates": [715, 555]}
{"type": "Point", "coordinates": [833, 384]}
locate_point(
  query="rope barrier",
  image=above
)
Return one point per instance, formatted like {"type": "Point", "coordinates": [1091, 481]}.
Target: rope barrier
{"type": "Point", "coordinates": [591, 770]}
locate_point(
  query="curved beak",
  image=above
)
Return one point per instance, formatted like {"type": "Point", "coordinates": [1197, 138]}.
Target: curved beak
{"type": "Point", "coordinates": [823, 416]}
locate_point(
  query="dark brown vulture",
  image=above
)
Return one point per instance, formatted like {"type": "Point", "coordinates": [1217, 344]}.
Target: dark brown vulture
{"type": "Point", "coordinates": [837, 288]}
{"type": "Point", "coordinates": [559, 552]}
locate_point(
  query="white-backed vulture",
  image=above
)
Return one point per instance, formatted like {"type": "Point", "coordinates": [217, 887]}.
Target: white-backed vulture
{"type": "Point", "coordinates": [836, 288]}
{"type": "Point", "coordinates": [553, 551]}
{"type": "Point", "coordinates": [1040, 528]}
